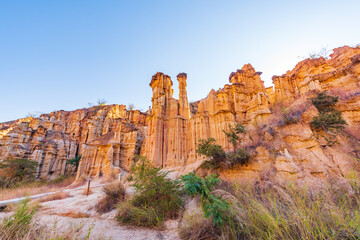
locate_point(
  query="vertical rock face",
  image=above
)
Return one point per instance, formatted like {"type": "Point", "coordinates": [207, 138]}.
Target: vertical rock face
{"type": "Point", "coordinates": [173, 134]}
{"type": "Point", "coordinates": [167, 122]}
{"type": "Point", "coordinates": [109, 137]}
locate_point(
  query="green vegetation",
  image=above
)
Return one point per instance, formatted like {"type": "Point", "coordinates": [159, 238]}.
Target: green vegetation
{"type": "Point", "coordinates": [17, 225]}
{"type": "Point", "coordinates": [74, 162]}
{"type": "Point", "coordinates": [271, 211]}
{"type": "Point", "coordinates": [15, 171]}
{"type": "Point", "coordinates": [233, 134]}
{"type": "Point", "coordinates": [213, 206]}
{"type": "Point", "coordinates": [214, 152]}
{"type": "Point", "coordinates": [21, 225]}
{"type": "Point", "coordinates": [216, 155]}
{"type": "Point", "coordinates": [329, 120]}
{"type": "Point", "coordinates": [156, 197]}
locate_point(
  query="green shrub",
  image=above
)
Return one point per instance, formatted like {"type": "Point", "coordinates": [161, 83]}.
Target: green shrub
{"type": "Point", "coordinates": [217, 157]}
{"type": "Point", "coordinates": [239, 156]}
{"type": "Point", "coordinates": [214, 152]}
{"type": "Point", "coordinates": [154, 191]}
{"type": "Point", "coordinates": [324, 102]}
{"type": "Point", "coordinates": [14, 171]}
{"type": "Point", "coordinates": [213, 206]}
{"type": "Point", "coordinates": [329, 120]}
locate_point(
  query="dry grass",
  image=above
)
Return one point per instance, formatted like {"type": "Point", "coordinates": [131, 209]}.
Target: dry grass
{"type": "Point", "coordinates": [36, 187]}
{"type": "Point", "coordinates": [55, 196]}
{"type": "Point", "coordinates": [21, 225]}
{"type": "Point", "coordinates": [74, 214]}
{"type": "Point", "coordinates": [114, 193]}
{"type": "Point", "coordinates": [197, 227]}
{"type": "Point", "coordinates": [265, 210]}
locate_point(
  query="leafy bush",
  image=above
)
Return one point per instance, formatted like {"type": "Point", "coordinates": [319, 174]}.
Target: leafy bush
{"type": "Point", "coordinates": [114, 193]}
{"type": "Point", "coordinates": [239, 156]}
{"type": "Point", "coordinates": [213, 206]}
{"type": "Point", "coordinates": [329, 120]}
{"type": "Point", "coordinates": [324, 102]}
{"type": "Point", "coordinates": [154, 192]}
{"type": "Point", "coordinates": [17, 170]}
{"type": "Point", "coordinates": [214, 152]}
{"type": "Point", "coordinates": [216, 155]}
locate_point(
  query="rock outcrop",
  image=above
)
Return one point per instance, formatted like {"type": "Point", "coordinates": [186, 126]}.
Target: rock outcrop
{"type": "Point", "coordinates": [106, 136]}
{"type": "Point", "coordinates": [109, 137]}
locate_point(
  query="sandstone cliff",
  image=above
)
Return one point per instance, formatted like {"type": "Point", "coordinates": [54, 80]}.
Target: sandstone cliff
{"type": "Point", "coordinates": [108, 137]}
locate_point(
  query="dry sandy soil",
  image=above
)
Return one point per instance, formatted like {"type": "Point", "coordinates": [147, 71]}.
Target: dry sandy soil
{"type": "Point", "coordinates": [58, 215]}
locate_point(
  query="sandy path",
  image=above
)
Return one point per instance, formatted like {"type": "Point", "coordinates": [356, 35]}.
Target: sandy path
{"type": "Point", "coordinates": [103, 226]}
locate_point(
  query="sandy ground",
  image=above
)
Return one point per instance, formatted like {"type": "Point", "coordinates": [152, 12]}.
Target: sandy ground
{"type": "Point", "coordinates": [102, 226]}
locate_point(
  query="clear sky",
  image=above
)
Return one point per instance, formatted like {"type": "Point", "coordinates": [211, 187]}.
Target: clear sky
{"type": "Point", "coordinates": [65, 54]}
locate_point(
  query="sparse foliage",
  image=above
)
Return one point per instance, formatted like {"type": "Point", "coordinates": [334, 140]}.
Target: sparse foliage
{"type": "Point", "coordinates": [156, 196]}
{"type": "Point", "coordinates": [18, 224]}
{"type": "Point", "coordinates": [233, 134]}
{"type": "Point", "coordinates": [329, 120]}
{"type": "Point", "coordinates": [324, 102]}
{"type": "Point", "coordinates": [101, 102]}
{"type": "Point", "coordinates": [324, 52]}
{"type": "Point", "coordinates": [288, 118]}
{"type": "Point", "coordinates": [213, 206]}
{"type": "Point", "coordinates": [213, 151]}
{"type": "Point", "coordinates": [74, 162]}
{"type": "Point", "coordinates": [131, 106]}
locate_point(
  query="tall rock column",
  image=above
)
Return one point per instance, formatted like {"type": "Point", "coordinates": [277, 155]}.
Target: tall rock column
{"type": "Point", "coordinates": [162, 108]}
{"type": "Point", "coordinates": [184, 109]}
{"type": "Point", "coordinates": [167, 143]}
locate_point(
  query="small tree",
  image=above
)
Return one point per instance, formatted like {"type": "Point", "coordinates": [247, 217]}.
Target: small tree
{"type": "Point", "coordinates": [324, 102]}
{"type": "Point", "coordinates": [101, 102]}
{"type": "Point", "coordinates": [329, 120]}
{"type": "Point", "coordinates": [131, 106]}
{"type": "Point", "coordinates": [233, 134]}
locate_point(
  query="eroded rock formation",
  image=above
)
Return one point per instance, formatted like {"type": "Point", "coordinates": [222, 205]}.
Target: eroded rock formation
{"type": "Point", "coordinates": [109, 137]}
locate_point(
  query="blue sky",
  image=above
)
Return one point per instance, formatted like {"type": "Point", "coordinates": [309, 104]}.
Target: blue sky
{"type": "Point", "coordinates": [65, 54]}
